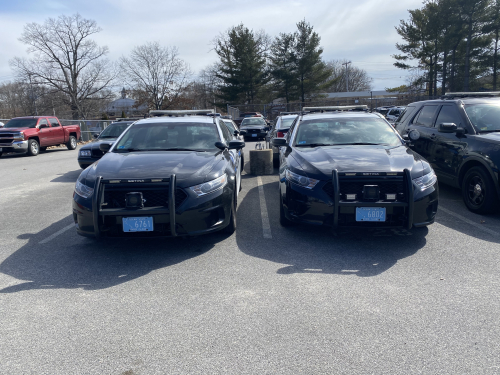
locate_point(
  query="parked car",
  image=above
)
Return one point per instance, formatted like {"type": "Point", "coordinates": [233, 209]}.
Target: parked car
{"type": "Point", "coordinates": [245, 115]}
{"type": "Point", "coordinates": [256, 128]}
{"type": "Point", "coordinates": [90, 153]}
{"type": "Point", "coordinates": [164, 176]}
{"type": "Point", "coordinates": [352, 169]}
{"type": "Point", "coordinates": [280, 129]}
{"type": "Point", "coordinates": [32, 135]}
{"type": "Point", "coordinates": [234, 129]}
{"type": "Point", "coordinates": [393, 113]}
{"type": "Point", "coordinates": [460, 137]}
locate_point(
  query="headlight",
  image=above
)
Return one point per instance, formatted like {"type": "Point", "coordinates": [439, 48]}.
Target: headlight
{"type": "Point", "coordinates": [85, 153]}
{"type": "Point", "coordinates": [426, 181]}
{"type": "Point", "coordinates": [303, 181]}
{"type": "Point", "coordinates": [83, 190]}
{"type": "Point", "coordinates": [210, 186]}
{"type": "Point", "coordinates": [19, 136]}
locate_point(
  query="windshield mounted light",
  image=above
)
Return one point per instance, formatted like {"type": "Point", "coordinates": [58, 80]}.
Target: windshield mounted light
{"type": "Point", "coordinates": [83, 190]}
{"type": "Point", "coordinates": [426, 181]}
{"type": "Point", "coordinates": [300, 180]}
{"type": "Point", "coordinates": [210, 186]}
{"type": "Point", "coordinates": [85, 153]}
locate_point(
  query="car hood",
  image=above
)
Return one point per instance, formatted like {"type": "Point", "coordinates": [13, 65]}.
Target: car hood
{"type": "Point", "coordinates": [10, 130]}
{"type": "Point", "coordinates": [190, 167]}
{"type": "Point", "coordinates": [97, 142]}
{"type": "Point", "coordinates": [320, 161]}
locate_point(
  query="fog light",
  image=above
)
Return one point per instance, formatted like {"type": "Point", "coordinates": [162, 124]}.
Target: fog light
{"type": "Point", "coordinates": [134, 200]}
{"type": "Point", "coordinates": [390, 197]}
{"type": "Point", "coordinates": [371, 192]}
{"type": "Point", "coordinates": [350, 197]}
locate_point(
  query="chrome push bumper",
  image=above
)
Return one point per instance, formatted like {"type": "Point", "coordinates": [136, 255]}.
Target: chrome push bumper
{"type": "Point", "coordinates": [16, 146]}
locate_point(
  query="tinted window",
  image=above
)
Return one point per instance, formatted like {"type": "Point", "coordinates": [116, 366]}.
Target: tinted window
{"type": "Point", "coordinates": [230, 126]}
{"type": "Point", "coordinates": [346, 130]}
{"type": "Point", "coordinates": [53, 122]}
{"type": "Point", "coordinates": [21, 123]}
{"type": "Point", "coordinates": [169, 136]}
{"type": "Point", "coordinates": [485, 117]}
{"type": "Point", "coordinates": [448, 114]}
{"type": "Point", "coordinates": [43, 122]}
{"type": "Point", "coordinates": [114, 131]}
{"type": "Point", "coordinates": [225, 132]}
{"type": "Point", "coordinates": [285, 122]}
{"type": "Point", "coordinates": [253, 121]}
{"type": "Point", "coordinates": [426, 116]}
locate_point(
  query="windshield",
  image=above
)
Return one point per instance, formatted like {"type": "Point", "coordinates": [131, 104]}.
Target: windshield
{"type": "Point", "coordinates": [253, 121]}
{"type": "Point", "coordinates": [485, 117]}
{"type": "Point", "coordinates": [345, 131]}
{"type": "Point", "coordinates": [169, 136]}
{"type": "Point", "coordinates": [230, 126]}
{"type": "Point", "coordinates": [285, 122]}
{"type": "Point", "coordinates": [22, 123]}
{"type": "Point", "coordinates": [114, 130]}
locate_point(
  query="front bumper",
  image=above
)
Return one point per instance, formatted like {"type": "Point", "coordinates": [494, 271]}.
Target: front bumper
{"type": "Point", "coordinates": [84, 162]}
{"type": "Point", "coordinates": [19, 147]}
{"type": "Point", "coordinates": [255, 135]}
{"type": "Point", "coordinates": [194, 216]}
{"type": "Point", "coordinates": [317, 207]}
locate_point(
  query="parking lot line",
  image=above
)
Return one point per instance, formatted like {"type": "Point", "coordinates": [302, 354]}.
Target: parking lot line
{"type": "Point", "coordinates": [52, 236]}
{"type": "Point", "coordinates": [470, 222]}
{"type": "Point", "coordinates": [266, 228]}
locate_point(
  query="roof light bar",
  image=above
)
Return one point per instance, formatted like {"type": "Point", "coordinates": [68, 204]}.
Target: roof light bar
{"type": "Point", "coordinates": [189, 112]}
{"type": "Point", "coordinates": [450, 95]}
{"type": "Point", "coordinates": [336, 108]}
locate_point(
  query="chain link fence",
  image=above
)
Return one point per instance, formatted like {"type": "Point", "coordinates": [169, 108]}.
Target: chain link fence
{"type": "Point", "coordinates": [88, 127]}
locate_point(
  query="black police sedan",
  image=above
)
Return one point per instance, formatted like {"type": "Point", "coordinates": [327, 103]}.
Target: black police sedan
{"type": "Point", "coordinates": [256, 128]}
{"type": "Point", "coordinates": [347, 169]}
{"type": "Point", "coordinates": [166, 176]}
{"type": "Point", "coordinates": [91, 152]}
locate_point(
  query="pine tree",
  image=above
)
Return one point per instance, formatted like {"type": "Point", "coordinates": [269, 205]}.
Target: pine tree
{"type": "Point", "coordinates": [283, 66]}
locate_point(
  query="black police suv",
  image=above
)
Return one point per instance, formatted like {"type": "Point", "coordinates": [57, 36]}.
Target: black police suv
{"type": "Point", "coordinates": [256, 128]}
{"type": "Point", "coordinates": [349, 169]}
{"type": "Point", "coordinates": [91, 152]}
{"type": "Point", "coordinates": [164, 176]}
{"type": "Point", "coordinates": [460, 138]}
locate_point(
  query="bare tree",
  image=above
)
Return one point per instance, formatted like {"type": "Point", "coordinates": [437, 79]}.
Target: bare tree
{"type": "Point", "coordinates": [158, 75]}
{"type": "Point", "coordinates": [66, 59]}
{"type": "Point", "coordinates": [358, 78]}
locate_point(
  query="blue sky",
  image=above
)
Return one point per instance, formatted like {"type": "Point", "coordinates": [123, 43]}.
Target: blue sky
{"type": "Point", "coordinates": [361, 31]}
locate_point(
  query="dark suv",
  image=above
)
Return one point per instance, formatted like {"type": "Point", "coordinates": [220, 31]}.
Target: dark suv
{"type": "Point", "coordinates": [459, 135]}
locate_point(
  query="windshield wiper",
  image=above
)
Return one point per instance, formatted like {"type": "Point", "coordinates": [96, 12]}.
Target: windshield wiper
{"type": "Point", "coordinates": [176, 149]}
{"type": "Point", "coordinates": [315, 145]}
{"type": "Point", "coordinates": [360, 144]}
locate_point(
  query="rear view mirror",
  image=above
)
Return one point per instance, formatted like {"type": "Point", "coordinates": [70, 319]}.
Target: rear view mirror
{"type": "Point", "coordinates": [236, 144]}
{"type": "Point", "coordinates": [96, 135]}
{"type": "Point", "coordinates": [220, 145]}
{"type": "Point", "coordinates": [104, 147]}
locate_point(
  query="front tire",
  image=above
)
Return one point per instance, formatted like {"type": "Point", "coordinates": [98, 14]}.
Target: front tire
{"type": "Point", "coordinates": [284, 222]}
{"type": "Point", "coordinates": [71, 145]}
{"type": "Point", "coordinates": [33, 148]}
{"type": "Point", "coordinates": [478, 191]}
{"type": "Point", "coordinates": [231, 228]}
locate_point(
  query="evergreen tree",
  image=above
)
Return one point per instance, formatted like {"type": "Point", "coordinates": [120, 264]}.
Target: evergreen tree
{"type": "Point", "coordinates": [283, 66]}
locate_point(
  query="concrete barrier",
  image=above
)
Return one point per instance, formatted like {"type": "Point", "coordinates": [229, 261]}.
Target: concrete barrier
{"type": "Point", "coordinates": [261, 162]}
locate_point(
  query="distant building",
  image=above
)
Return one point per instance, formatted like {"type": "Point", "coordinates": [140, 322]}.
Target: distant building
{"type": "Point", "coordinates": [125, 105]}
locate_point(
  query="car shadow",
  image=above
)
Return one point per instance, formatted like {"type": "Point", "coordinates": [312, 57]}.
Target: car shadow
{"type": "Point", "coordinates": [78, 262]}
{"type": "Point", "coordinates": [312, 249]}
{"type": "Point", "coordinates": [70, 176]}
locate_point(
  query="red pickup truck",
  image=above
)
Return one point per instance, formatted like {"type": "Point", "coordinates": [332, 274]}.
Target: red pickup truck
{"type": "Point", "coordinates": [30, 135]}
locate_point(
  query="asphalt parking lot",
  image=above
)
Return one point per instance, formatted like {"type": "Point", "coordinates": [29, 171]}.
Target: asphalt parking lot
{"type": "Point", "coordinates": [267, 300]}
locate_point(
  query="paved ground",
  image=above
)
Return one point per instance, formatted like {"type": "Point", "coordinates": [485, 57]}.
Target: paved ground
{"type": "Point", "coordinates": [304, 301]}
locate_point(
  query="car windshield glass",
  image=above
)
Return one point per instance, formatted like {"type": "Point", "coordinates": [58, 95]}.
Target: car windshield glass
{"type": "Point", "coordinates": [21, 123]}
{"type": "Point", "coordinates": [485, 116]}
{"type": "Point", "coordinates": [114, 130]}
{"type": "Point", "coordinates": [345, 131]}
{"type": "Point", "coordinates": [230, 126]}
{"type": "Point", "coordinates": [253, 121]}
{"type": "Point", "coordinates": [169, 136]}
{"type": "Point", "coordinates": [286, 122]}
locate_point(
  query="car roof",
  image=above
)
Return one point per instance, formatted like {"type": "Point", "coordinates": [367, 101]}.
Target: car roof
{"type": "Point", "coordinates": [460, 101]}
{"type": "Point", "coordinates": [355, 114]}
{"type": "Point", "coordinates": [288, 116]}
{"type": "Point", "coordinates": [183, 119]}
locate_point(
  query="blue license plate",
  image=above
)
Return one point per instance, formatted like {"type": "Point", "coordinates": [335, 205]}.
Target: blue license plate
{"type": "Point", "coordinates": [138, 224]}
{"type": "Point", "coordinates": [370, 213]}
{"type": "Point", "coordinates": [254, 135]}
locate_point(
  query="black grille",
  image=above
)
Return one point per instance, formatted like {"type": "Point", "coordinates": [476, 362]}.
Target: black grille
{"type": "Point", "coordinates": [97, 153]}
{"type": "Point", "coordinates": [154, 197]}
{"type": "Point", "coordinates": [356, 187]}
{"type": "Point", "coordinates": [6, 135]}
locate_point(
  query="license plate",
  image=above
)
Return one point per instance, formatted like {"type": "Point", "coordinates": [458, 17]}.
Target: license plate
{"type": "Point", "coordinates": [138, 224]}
{"type": "Point", "coordinates": [370, 213]}
{"type": "Point", "coordinates": [254, 135]}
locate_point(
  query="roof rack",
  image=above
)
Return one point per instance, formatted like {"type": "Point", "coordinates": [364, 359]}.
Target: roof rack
{"type": "Point", "coordinates": [180, 113]}
{"type": "Point", "coordinates": [485, 94]}
{"type": "Point", "coordinates": [336, 108]}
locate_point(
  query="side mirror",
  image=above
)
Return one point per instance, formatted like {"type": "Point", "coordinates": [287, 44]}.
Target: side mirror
{"type": "Point", "coordinates": [236, 133]}
{"type": "Point", "coordinates": [220, 145]}
{"type": "Point", "coordinates": [243, 132]}
{"type": "Point", "coordinates": [236, 144]}
{"type": "Point", "coordinates": [43, 126]}
{"type": "Point", "coordinates": [104, 147]}
{"type": "Point", "coordinates": [96, 135]}
{"type": "Point", "coordinates": [414, 135]}
{"type": "Point", "coordinates": [279, 142]}
{"type": "Point", "coordinates": [447, 127]}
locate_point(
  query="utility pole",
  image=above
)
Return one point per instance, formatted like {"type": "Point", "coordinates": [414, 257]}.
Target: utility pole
{"type": "Point", "coordinates": [347, 75]}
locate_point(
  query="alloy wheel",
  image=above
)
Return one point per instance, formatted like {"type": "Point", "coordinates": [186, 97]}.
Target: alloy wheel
{"type": "Point", "coordinates": [475, 190]}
